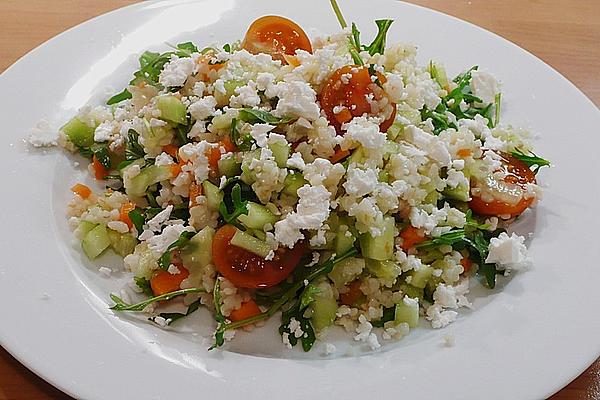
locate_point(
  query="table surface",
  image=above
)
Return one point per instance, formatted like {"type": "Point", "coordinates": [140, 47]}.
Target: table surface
{"type": "Point", "coordinates": [564, 34]}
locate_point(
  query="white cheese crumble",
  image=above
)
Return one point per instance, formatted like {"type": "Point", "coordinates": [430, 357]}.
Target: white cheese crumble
{"type": "Point", "coordinates": [509, 253]}
{"type": "Point", "coordinates": [178, 70]}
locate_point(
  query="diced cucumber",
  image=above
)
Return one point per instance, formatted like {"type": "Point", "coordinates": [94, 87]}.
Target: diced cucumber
{"type": "Point", "coordinates": [229, 166]}
{"type": "Point", "coordinates": [122, 243]}
{"type": "Point", "coordinates": [171, 109]}
{"type": "Point", "coordinates": [346, 271]}
{"type": "Point", "coordinates": [411, 291]}
{"type": "Point", "coordinates": [293, 182]}
{"type": "Point", "coordinates": [281, 153]}
{"type": "Point", "coordinates": [150, 175]}
{"type": "Point", "coordinates": [258, 216]}
{"type": "Point", "coordinates": [387, 270]}
{"type": "Point", "coordinates": [405, 111]}
{"type": "Point", "coordinates": [380, 247]}
{"type": "Point", "coordinates": [407, 311]}
{"type": "Point", "coordinates": [250, 243]}
{"type": "Point", "coordinates": [344, 241]}
{"type": "Point", "coordinates": [324, 307]}
{"type": "Point", "coordinates": [460, 193]}
{"type": "Point", "coordinates": [230, 86]}
{"type": "Point", "coordinates": [248, 176]}
{"type": "Point", "coordinates": [357, 157]}
{"type": "Point", "coordinates": [395, 130]}
{"type": "Point", "coordinates": [84, 227]}
{"type": "Point", "coordinates": [197, 254]}
{"type": "Point", "coordinates": [421, 276]}
{"type": "Point", "coordinates": [95, 241]}
{"type": "Point", "coordinates": [259, 234]}
{"type": "Point", "coordinates": [214, 196]}
{"type": "Point", "coordinates": [438, 74]}
{"type": "Point", "coordinates": [79, 133]}
{"type": "Point", "coordinates": [384, 176]}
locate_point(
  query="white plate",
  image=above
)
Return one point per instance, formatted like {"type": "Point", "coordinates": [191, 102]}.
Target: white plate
{"type": "Point", "coordinates": [522, 342]}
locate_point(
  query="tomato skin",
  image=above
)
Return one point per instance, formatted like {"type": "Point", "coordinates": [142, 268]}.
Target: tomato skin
{"type": "Point", "coordinates": [277, 36]}
{"type": "Point", "coordinates": [247, 270]}
{"type": "Point", "coordinates": [349, 87]}
{"type": "Point", "coordinates": [517, 174]}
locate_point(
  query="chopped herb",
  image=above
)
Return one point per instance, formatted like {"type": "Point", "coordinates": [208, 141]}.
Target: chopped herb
{"type": "Point", "coordinates": [221, 322]}
{"type": "Point", "coordinates": [165, 260]}
{"type": "Point", "coordinates": [101, 153]}
{"type": "Point", "coordinates": [143, 284]}
{"type": "Point", "coordinates": [447, 239]}
{"type": "Point", "coordinates": [119, 97]}
{"type": "Point", "coordinates": [531, 159]}
{"type": "Point", "coordinates": [308, 296]}
{"type": "Point", "coordinates": [243, 143]}
{"type": "Point", "coordinates": [256, 116]}
{"type": "Point", "coordinates": [227, 48]}
{"type": "Point", "coordinates": [120, 305]}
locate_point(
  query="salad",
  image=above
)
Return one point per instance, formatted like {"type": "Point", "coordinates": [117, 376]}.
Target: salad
{"type": "Point", "coordinates": [323, 182]}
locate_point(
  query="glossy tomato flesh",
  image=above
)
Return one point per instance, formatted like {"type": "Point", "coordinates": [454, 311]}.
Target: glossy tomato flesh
{"type": "Point", "coordinates": [349, 88]}
{"type": "Point", "coordinates": [248, 270]}
{"type": "Point", "coordinates": [276, 36]}
{"type": "Point", "coordinates": [518, 174]}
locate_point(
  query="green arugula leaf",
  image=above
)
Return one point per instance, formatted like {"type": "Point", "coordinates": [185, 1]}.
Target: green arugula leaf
{"type": "Point", "coordinates": [239, 206]}
{"type": "Point", "coordinates": [531, 159]}
{"type": "Point", "coordinates": [143, 284]}
{"type": "Point", "coordinates": [133, 149]}
{"type": "Point", "coordinates": [172, 317]}
{"type": "Point", "coordinates": [102, 154]}
{"type": "Point", "coordinates": [389, 314]}
{"type": "Point", "coordinates": [378, 44]}
{"type": "Point", "coordinates": [120, 305]}
{"type": "Point", "coordinates": [219, 317]}
{"type": "Point", "coordinates": [288, 295]}
{"type": "Point", "coordinates": [448, 238]}
{"type": "Point", "coordinates": [187, 49]}
{"type": "Point", "coordinates": [308, 296]}
{"type": "Point", "coordinates": [497, 103]}
{"type": "Point", "coordinates": [308, 337]}
{"type": "Point", "coordinates": [165, 260]}
{"type": "Point", "coordinates": [119, 97]}
{"type": "Point", "coordinates": [259, 116]}
{"type": "Point", "coordinates": [137, 219]}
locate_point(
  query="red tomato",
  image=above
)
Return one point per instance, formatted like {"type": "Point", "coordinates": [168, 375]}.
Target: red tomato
{"type": "Point", "coordinates": [248, 270]}
{"type": "Point", "coordinates": [276, 36]}
{"type": "Point", "coordinates": [513, 186]}
{"type": "Point", "coordinates": [350, 88]}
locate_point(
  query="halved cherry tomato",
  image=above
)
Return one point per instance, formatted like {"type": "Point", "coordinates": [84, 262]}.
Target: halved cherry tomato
{"type": "Point", "coordinates": [411, 236]}
{"type": "Point", "coordinates": [347, 92]}
{"type": "Point", "coordinates": [171, 150]}
{"type": "Point", "coordinates": [508, 194]}
{"type": "Point", "coordinates": [99, 171]}
{"type": "Point", "coordinates": [339, 155]}
{"type": "Point", "coordinates": [466, 264]}
{"type": "Point", "coordinates": [164, 282]}
{"type": "Point", "coordinates": [247, 310]}
{"type": "Point", "coordinates": [352, 295]}
{"type": "Point", "coordinates": [82, 190]}
{"type": "Point", "coordinates": [248, 270]}
{"type": "Point", "coordinates": [276, 36]}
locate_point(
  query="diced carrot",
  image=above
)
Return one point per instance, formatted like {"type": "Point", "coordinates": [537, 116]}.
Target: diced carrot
{"type": "Point", "coordinates": [124, 213]}
{"type": "Point", "coordinates": [248, 309]}
{"type": "Point", "coordinates": [343, 116]}
{"type": "Point", "coordinates": [466, 264]}
{"type": "Point", "coordinates": [352, 295]}
{"type": "Point", "coordinates": [99, 171]}
{"type": "Point", "coordinates": [164, 282]}
{"type": "Point", "coordinates": [411, 236]}
{"type": "Point", "coordinates": [228, 145]}
{"type": "Point", "coordinates": [175, 170]}
{"type": "Point", "coordinates": [464, 153]}
{"type": "Point", "coordinates": [214, 155]}
{"type": "Point", "coordinates": [195, 191]}
{"type": "Point", "coordinates": [81, 190]}
{"type": "Point", "coordinates": [171, 150]}
{"type": "Point", "coordinates": [339, 155]}
{"type": "Point", "coordinates": [291, 60]}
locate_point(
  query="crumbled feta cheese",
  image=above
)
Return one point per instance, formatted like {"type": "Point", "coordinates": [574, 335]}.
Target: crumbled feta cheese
{"type": "Point", "coordinates": [177, 70]}
{"type": "Point", "coordinates": [484, 85]}
{"type": "Point", "coordinates": [118, 226]}
{"type": "Point", "coordinates": [296, 99]}
{"type": "Point", "coordinates": [203, 108]}
{"type": "Point", "coordinates": [104, 131]}
{"type": "Point", "coordinates": [173, 270]}
{"type": "Point", "coordinates": [259, 133]}
{"type": "Point", "coordinates": [509, 253]}
{"type": "Point", "coordinates": [296, 161]}
{"type": "Point", "coordinates": [42, 135]}
{"type": "Point", "coordinates": [163, 159]}
{"type": "Point", "coordinates": [159, 243]}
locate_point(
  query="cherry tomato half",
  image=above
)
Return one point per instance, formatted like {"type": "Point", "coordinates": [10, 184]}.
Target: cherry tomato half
{"type": "Point", "coordinates": [350, 92]}
{"type": "Point", "coordinates": [248, 270]}
{"type": "Point", "coordinates": [507, 194]}
{"type": "Point", "coordinates": [277, 36]}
